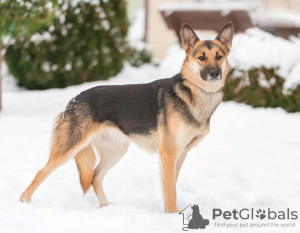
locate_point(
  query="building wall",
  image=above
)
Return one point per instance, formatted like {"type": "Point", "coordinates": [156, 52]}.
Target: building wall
{"type": "Point", "coordinates": [159, 37]}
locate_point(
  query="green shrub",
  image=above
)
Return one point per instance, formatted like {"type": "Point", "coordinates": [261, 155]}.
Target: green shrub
{"type": "Point", "coordinates": [137, 57]}
{"type": "Point", "coordinates": [294, 100]}
{"type": "Point", "coordinates": [261, 87]}
{"type": "Point", "coordinates": [87, 44]}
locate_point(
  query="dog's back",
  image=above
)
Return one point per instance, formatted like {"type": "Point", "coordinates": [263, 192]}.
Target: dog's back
{"type": "Point", "coordinates": [132, 108]}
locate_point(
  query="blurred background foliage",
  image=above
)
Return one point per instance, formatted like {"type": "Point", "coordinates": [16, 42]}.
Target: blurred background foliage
{"type": "Point", "coordinates": [85, 41]}
{"type": "Point", "coordinates": [261, 87]}
{"type": "Point", "coordinates": [19, 18]}
{"type": "Point", "coordinates": [138, 56]}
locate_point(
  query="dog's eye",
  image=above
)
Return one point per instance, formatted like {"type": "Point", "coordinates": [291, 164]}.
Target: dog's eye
{"type": "Point", "coordinates": [219, 57]}
{"type": "Point", "coordinates": [201, 58]}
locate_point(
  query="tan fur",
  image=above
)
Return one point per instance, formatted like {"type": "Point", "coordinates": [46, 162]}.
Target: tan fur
{"type": "Point", "coordinates": [85, 160]}
{"type": "Point", "coordinates": [111, 144]}
{"type": "Point", "coordinates": [149, 142]}
{"type": "Point", "coordinates": [168, 152]}
{"type": "Point", "coordinates": [58, 155]}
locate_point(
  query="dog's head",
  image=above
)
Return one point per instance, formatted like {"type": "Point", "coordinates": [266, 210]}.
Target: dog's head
{"type": "Point", "coordinates": [206, 64]}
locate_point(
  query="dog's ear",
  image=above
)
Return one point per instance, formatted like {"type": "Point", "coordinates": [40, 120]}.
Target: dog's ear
{"type": "Point", "coordinates": [188, 37]}
{"type": "Point", "coordinates": [226, 35]}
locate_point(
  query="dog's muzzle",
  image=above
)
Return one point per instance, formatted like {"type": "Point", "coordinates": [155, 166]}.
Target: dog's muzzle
{"type": "Point", "coordinates": [211, 75]}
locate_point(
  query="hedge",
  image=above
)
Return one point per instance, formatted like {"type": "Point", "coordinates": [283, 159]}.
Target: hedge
{"type": "Point", "coordinates": [87, 43]}
{"type": "Point", "coordinates": [261, 87]}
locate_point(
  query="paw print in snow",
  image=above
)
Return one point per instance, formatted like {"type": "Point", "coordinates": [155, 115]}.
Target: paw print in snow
{"type": "Point", "coordinates": [261, 214]}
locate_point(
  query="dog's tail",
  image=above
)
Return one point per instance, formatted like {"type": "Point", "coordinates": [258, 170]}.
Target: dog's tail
{"type": "Point", "coordinates": [85, 160]}
{"type": "Point", "coordinates": [73, 127]}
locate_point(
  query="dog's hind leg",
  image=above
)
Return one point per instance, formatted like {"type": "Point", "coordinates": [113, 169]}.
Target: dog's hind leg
{"type": "Point", "coordinates": [53, 163]}
{"type": "Point", "coordinates": [68, 140]}
{"type": "Point", "coordinates": [110, 156]}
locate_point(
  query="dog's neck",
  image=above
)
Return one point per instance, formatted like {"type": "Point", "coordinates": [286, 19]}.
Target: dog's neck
{"type": "Point", "coordinates": [201, 91]}
{"type": "Point", "coordinates": [205, 102]}
{"type": "Point", "coordinates": [200, 88]}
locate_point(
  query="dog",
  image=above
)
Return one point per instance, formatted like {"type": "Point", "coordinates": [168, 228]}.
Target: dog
{"type": "Point", "coordinates": [168, 116]}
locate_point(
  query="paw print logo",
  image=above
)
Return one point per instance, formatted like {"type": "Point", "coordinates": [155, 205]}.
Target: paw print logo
{"type": "Point", "coordinates": [261, 214]}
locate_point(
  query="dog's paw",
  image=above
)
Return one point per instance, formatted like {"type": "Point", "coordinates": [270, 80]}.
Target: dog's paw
{"type": "Point", "coordinates": [105, 204]}
{"type": "Point", "coordinates": [24, 198]}
{"type": "Point", "coordinates": [172, 210]}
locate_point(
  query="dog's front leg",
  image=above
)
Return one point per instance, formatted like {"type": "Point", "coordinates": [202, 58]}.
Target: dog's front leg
{"type": "Point", "coordinates": [182, 157]}
{"type": "Point", "coordinates": [180, 162]}
{"type": "Point", "coordinates": [168, 157]}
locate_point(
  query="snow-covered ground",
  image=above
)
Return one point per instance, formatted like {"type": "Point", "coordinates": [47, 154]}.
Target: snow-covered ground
{"type": "Point", "coordinates": [250, 159]}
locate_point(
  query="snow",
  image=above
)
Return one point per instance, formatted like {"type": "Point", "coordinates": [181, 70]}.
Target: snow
{"type": "Point", "coordinates": [249, 159]}
{"type": "Point", "coordinates": [74, 3]}
{"type": "Point", "coordinates": [136, 31]}
{"type": "Point", "coordinates": [256, 48]}
{"type": "Point", "coordinates": [207, 6]}
{"type": "Point", "coordinates": [278, 18]}
{"type": "Point", "coordinates": [38, 38]}
{"type": "Point", "coordinates": [8, 81]}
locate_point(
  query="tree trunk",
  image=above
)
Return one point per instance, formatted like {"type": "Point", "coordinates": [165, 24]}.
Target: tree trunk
{"type": "Point", "coordinates": [0, 74]}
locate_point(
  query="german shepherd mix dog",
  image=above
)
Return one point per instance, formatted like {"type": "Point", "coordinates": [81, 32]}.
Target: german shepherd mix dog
{"type": "Point", "coordinates": [168, 116]}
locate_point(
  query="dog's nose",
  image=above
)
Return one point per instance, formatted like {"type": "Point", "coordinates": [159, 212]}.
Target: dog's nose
{"type": "Point", "coordinates": [214, 73]}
